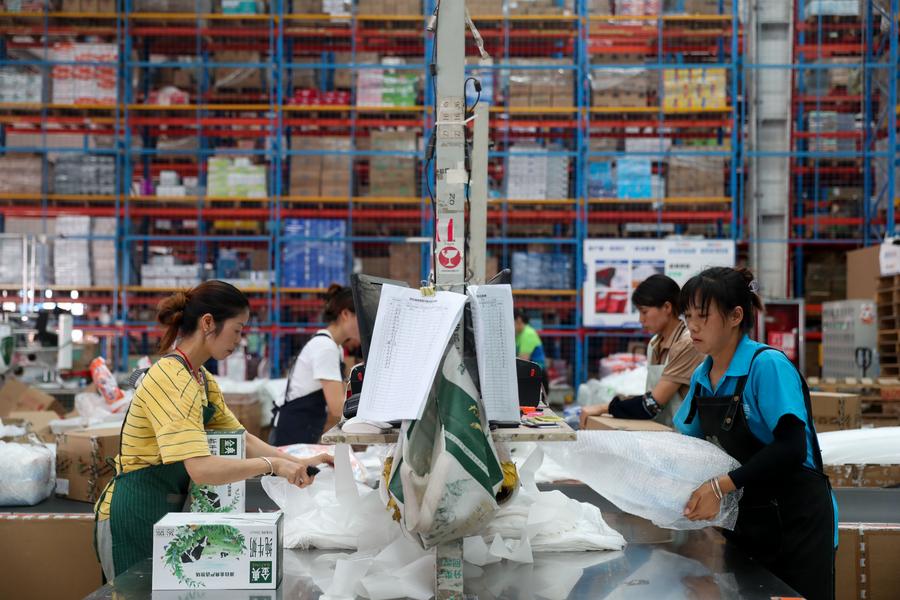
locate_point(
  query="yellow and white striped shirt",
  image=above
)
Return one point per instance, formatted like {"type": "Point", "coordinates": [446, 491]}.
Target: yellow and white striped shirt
{"type": "Point", "coordinates": [165, 422]}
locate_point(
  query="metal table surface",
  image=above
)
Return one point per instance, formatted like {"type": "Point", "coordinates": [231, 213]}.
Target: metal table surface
{"type": "Point", "coordinates": [656, 563]}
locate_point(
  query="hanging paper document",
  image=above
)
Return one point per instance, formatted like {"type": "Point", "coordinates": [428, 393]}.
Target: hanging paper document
{"type": "Point", "coordinates": [410, 335]}
{"type": "Point", "coordinates": [495, 346]}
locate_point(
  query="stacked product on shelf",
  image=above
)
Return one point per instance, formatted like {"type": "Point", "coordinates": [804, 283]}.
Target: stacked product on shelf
{"type": "Point", "coordinates": [635, 180]}
{"type": "Point", "coordinates": [229, 77]}
{"type": "Point", "coordinates": [834, 8]}
{"type": "Point", "coordinates": [12, 252]}
{"type": "Point", "coordinates": [19, 85]}
{"type": "Point", "coordinates": [244, 268]}
{"type": "Point", "coordinates": [485, 7]}
{"type": "Point", "coordinates": [314, 253]}
{"type": "Point", "coordinates": [542, 270]}
{"type": "Point", "coordinates": [20, 174]}
{"type": "Point", "coordinates": [632, 88]}
{"type": "Point", "coordinates": [388, 87]}
{"type": "Point", "coordinates": [164, 271]}
{"type": "Point", "coordinates": [696, 176]}
{"type": "Point", "coordinates": [71, 266]}
{"type": "Point", "coordinates": [539, 7]}
{"type": "Point", "coordinates": [93, 82]}
{"type": "Point", "coordinates": [536, 174]}
{"type": "Point", "coordinates": [103, 251]}
{"type": "Point", "coordinates": [389, 7]}
{"type": "Point", "coordinates": [391, 175]}
{"type": "Point", "coordinates": [325, 172]}
{"type": "Point", "coordinates": [235, 177]}
{"type": "Point", "coordinates": [638, 7]}
{"type": "Point", "coordinates": [546, 87]}
{"type": "Point", "coordinates": [88, 6]}
{"type": "Point", "coordinates": [826, 127]}
{"type": "Point", "coordinates": [78, 174]}
{"type": "Point", "coordinates": [694, 88]}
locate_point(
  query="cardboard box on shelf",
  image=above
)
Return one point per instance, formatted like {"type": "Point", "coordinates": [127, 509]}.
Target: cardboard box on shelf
{"type": "Point", "coordinates": [35, 541]}
{"type": "Point", "coordinates": [245, 550]}
{"type": "Point", "coordinates": [230, 497]}
{"type": "Point", "coordinates": [825, 280]}
{"type": "Point", "coordinates": [833, 412]}
{"type": "Point", "coordinates": [82, 468]}
{"type": "Point", "coordinates": [613, 424]}
{"type": "Point", "coordinates": [696, 176]}
{"type": "Point", "coordinates": [16, 396]}
{"type": "Point", "coordinates": [242, 78]}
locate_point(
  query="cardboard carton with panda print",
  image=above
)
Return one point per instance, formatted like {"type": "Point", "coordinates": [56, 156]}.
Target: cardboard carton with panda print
{"type": "Point", "coordinates": [227, 498]}
{"type": "Point", "coordinates": [218, 551]}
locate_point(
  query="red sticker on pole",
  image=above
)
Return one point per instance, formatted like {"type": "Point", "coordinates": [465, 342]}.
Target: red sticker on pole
{"type": "Point", "coordinates": [449, 257]}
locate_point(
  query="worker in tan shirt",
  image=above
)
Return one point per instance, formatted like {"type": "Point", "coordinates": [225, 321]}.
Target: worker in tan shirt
{"type": "Point", "coordinates": [671, 357]}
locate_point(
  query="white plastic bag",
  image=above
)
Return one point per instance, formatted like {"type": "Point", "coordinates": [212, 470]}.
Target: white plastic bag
{"type": "Point", "coordinates": [27, 473]}
{"type": "Point", "coordinates": [649, 474]}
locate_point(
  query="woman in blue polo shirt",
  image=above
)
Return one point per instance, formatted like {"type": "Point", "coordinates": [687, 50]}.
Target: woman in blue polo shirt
{"type": "Point", "coordinates": [751, 399]}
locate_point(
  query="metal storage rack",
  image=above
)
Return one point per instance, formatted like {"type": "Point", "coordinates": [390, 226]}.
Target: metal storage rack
{"type": "Point", "coordinates": [844, 123]}
{"type": "Point", "coordinates": [695, 43]}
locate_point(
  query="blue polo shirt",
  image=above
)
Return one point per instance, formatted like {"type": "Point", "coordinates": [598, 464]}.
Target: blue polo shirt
{"type": "Point", "coordinates": [773, 390]}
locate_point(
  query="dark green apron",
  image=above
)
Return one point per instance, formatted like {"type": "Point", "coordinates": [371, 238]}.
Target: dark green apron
{"type": "Point", "coordinates": [143, 497]}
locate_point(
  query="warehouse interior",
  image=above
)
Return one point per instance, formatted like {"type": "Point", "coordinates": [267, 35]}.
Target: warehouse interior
{"type": "Point", "coordinates": [465, 202]}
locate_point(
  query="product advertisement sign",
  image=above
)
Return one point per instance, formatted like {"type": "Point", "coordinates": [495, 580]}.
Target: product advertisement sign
{"type": "Point", "coordinates": [614, 267]}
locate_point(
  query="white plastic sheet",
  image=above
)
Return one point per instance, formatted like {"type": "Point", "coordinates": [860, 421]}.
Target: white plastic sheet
{"type": "Point", "coordinates": [649, 474]}
{"type": "Point", "coordinates": [602, 391]}
{"type": "Point", "coordinates": [27, 473]}
{"type": "Point", "coordinates": [879, 446]}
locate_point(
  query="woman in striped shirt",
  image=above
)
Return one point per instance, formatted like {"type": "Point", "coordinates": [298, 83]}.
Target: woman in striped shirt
{"type": "Point", "coordinates": [163, 442]}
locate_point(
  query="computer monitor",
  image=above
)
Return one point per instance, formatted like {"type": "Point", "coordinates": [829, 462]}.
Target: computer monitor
{"type": "Point", "coordinates": [366, 290]}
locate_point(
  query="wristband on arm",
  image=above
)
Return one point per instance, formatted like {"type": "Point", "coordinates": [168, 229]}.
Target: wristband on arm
{"type": "Point", "coordinates": [635, 407]}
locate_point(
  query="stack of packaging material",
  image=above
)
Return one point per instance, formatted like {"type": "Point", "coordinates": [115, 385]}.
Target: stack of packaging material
{"type": "Point", "coordinates": [387, 87]}
{"type": "Point", "coordinates": [325, 174]}
{"type": "Point", "coordinates": [12, 260]}
{"type": "Point", "coordinates": [20, 174]}
{"type": "Point", "coordinates": [828, 122]}
{"type": "Point", "coordinates": [542, 271]}
{"type": "Point", "coordinates": [694, 88]}
{"type": "Point", "coordinates": [703, 7]}
{"type": "Point", "coordinates": [93, 82]}
{"type": "Point", "coordinates": [235, 178]}
{"type": "Point", "coordinates": [836, 8]}
{"type": "Point", "coordinates": [71, 263]}
{"type": "Point", "coordinates": [389, 7]}
{"type": "Point", "coordinates": [103, 252]}
{"type": "Point", "coordinates": [19, 85]}
{"type": "Point", "coordinates": [541, 88]}
{"type": "Point", "coordinates": [696, 176]}
{"type": "Point", "coordinates": [391, 175]}
{"type": "Point", "coordinates": [84, 175]}
{"type": "Point", "coordinates": [535, 174]}
{"type": "Point", "coordinates": [173, 6]}
{"type": "Point", "coordinates": [314, 253]}
{"type": "Point", "coordinates": [163, 272]}
{"type": "Point", "coordinates": [834, 75]}
{"type": "Point", "coordinates": [622, 87]}
{"type": "Point", "coordinates": [170, 185]}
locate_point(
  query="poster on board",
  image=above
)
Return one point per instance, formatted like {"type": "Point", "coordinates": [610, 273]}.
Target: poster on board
{"type": "Point", "coordinates": [614, 267]}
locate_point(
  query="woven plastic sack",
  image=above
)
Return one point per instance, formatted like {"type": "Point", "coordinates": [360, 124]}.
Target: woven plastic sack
{"type": "Point", "coordinates": [649, 474]}
{"type": "Point", "coordinates": [27, 473]}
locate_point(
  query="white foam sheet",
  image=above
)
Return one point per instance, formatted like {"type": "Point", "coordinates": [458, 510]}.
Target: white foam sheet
{"type": "Point", "coordinates": [878, 446]}
{"type": "Point", "coordinates": [649, 474]}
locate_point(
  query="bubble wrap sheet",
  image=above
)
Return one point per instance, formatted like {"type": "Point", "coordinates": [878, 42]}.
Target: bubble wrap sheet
{"type": "Point", "coordinates": [649, 474]}
{"type": "Point", "coordinates": [27, 473]}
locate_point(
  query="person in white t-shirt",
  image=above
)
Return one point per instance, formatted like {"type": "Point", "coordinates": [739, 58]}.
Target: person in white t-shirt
{"type": "Point", "coordinates": [314, 397]}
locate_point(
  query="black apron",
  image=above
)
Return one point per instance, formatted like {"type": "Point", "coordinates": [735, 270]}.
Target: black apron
{"type": "Point", "coordinates": [788, 524]}
{"type": "Point", "coordinates": [300, 420]}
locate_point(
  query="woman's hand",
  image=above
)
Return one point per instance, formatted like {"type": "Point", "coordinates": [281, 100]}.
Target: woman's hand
{"type": "Point", "coordinates": [312, 461]}
{"type": "Point", "coordinates": [292, 470]}
{"type": "Point", "coordinates": [593, 411]}
{"type": "Point", "coordinates": [703, 504]}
